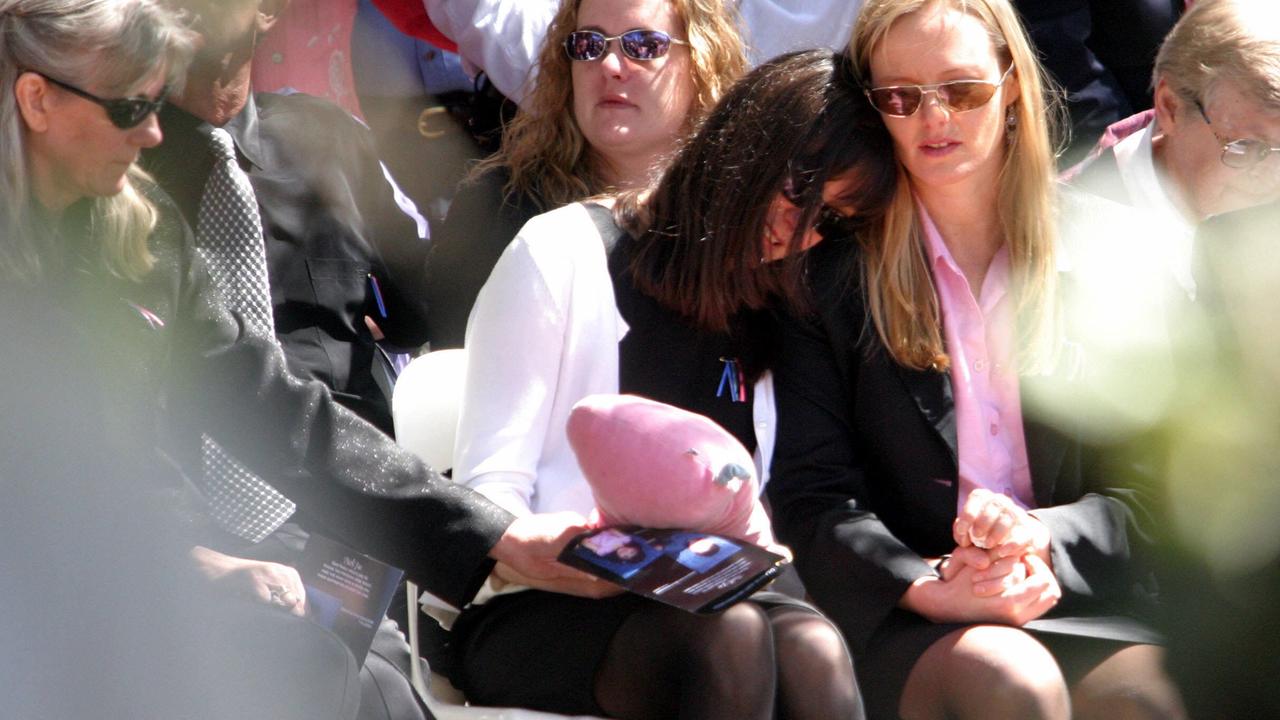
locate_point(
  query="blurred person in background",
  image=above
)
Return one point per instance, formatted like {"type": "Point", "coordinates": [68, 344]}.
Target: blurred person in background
{"type": "Point", "coordinates": [309, 51]}
{"type": "Point", "coordinates": [339, 248]}
{"type": "Point", "coordinates": [1212, 143]}
{"type": "Point", "coordinates": [1100, 52]}
{"type": "Point", "coordinates": [1219, 540]}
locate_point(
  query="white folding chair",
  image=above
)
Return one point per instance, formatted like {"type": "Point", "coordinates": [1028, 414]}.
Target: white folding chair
{"type": "Point", "coordinates": [424, 407]}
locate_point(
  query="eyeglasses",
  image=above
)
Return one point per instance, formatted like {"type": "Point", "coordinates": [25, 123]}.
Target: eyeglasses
{"type": "Point", "coordinates": [1239, 154]}
{"type": "Point", "coordinates": [124, 113]}
{"type": "Point", "coordinates": [637, 44]}
{"type": "Point", "coordinates": [955, 95]}
{"type": "Point", "coordinates": [832, 225]}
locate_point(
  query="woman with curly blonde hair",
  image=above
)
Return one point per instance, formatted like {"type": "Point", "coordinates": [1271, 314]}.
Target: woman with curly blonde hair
{"type": "Point", "coordinates": [618, 86]}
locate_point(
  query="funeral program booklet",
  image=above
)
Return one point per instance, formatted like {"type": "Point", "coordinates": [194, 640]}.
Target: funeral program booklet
{"type": "Point", "coordinates": [694, 571]}
{"type": "Point", "coordinates": [347, 591]}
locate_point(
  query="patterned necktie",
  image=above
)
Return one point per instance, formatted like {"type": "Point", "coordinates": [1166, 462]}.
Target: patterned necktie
{"type": "Point", "coordinates": [229, 239]}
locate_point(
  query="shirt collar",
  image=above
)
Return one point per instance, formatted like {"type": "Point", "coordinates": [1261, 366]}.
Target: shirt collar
{"type": "Point", "coordinates": [996, 281]}
{"type": "Point", "coordinates": [1136, 162]}
{"type": "Point", "coordinates": [243, 129]}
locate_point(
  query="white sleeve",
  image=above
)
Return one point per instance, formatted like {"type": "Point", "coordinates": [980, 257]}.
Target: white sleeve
{"type": "Point", "coordinates": [764, 416]}
{"type": "Point", "coordinates": [502, 37]}
{"type": "Point", "coordinates": [514, 343]}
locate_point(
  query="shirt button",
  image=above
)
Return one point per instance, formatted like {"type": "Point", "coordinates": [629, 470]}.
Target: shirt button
{"type": "Point", "coordinates": [277, 58]}
{"type": "Point", "coordinates": [995, 429]}
{"type": "Point", "coordinates": [980, 365]}
{"type": "Point", "coordinates": [762, 424]}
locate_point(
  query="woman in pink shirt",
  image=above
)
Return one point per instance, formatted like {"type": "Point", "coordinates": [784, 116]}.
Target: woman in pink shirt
{"type": "Point", "coordinates": [980, 563]}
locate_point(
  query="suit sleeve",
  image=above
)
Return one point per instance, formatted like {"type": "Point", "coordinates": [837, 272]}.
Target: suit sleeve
{"type": "Point", "coordinates": [1096, 542]}
{"type": "Point", "coordinates": [353, 479]}
{"type": "Point", "coordinates": [853, 566]}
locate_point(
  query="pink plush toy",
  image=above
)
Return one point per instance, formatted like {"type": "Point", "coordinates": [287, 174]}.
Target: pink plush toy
{"type": "Point", "coordinates": [656, 465]}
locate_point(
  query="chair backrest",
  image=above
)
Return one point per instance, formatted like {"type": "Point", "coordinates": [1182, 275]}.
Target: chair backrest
{"type": "Point", "coordinates": [425, 403]}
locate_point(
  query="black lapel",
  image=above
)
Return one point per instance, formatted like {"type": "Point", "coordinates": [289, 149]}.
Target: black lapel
{"type": "Point", "coordinates": [1046, 445]}
{"type": "Point", "coordinates": [931, 391]}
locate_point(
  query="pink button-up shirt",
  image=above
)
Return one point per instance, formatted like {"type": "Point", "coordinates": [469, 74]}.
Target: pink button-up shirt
{"type": "Point", "coordinates": [980, 337]}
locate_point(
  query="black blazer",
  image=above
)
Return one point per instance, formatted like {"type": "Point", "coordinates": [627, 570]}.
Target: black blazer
{"type": "Point", "coordinates": [329, 221]}
{"type": "Point", "coordinates": [178, 365]}
{"type": "Point", "coordinates": [864, 474]}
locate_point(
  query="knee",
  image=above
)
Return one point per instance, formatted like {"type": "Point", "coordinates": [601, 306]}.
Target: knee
{"type": "Point", "coordinates": [1130, 685]}
{"type": "Point", "coordinates": [1134, 704]}
{"type": "Point", "coordinates": [742, 630]}
{"type": "Point", "coordinates": [1016, 675]}
{"type": "Point", "coordinates": [810, 641]}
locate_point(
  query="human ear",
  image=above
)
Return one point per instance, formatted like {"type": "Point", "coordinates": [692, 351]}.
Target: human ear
{"type": "Point", "coordinates": [269, 11]}
{"type": "Point", "coordinates": [32, 96]}
{"type": "Point", "coordinates": [1167, 103]}
{"type": "Point", "coordinates": [1012, 89]}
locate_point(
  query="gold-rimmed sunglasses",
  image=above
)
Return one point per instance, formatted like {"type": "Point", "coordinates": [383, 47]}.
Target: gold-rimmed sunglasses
{"type": "Point", "coordinates": [955, 95]}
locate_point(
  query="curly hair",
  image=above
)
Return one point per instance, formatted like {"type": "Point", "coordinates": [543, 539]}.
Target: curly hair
{"type": "Point", "coordinates": [543, 150]}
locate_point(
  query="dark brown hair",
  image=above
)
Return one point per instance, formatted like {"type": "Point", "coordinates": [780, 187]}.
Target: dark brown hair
{"type": "Point", "coordinates": [790, 125]}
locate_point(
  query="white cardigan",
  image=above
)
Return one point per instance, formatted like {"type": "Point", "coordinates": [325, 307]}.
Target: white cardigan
{"type": "Point", "coordinates": [544, 334]}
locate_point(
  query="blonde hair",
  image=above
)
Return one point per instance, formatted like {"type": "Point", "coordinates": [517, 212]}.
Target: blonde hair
{"type": "Point", "coordinates": [1237, 40]}
{"type": "Point", "coordinates": [901, 300]}
{"type": "Point", "coordinates": [119, 45]}
{"type": "Point", "coordinates": [543, 149]}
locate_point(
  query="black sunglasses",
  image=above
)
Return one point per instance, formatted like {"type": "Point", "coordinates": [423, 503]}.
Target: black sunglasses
{"type": "Point", "coordinates": [829, 223]}
{"type": "Point", "coordinates": [124, 113]}
{"type": "Point", "coordinates": [638, 44]}
{"type": "Point", "coordinates": [832, 225]}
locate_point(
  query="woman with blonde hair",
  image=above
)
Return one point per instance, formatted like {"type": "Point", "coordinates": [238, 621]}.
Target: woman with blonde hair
{"type": "Point", "coordinates": [980, 562]}
{"type": "Point", "coordinates": [90, 236]}
{"type": "Point", "coordinates": [618, 85]}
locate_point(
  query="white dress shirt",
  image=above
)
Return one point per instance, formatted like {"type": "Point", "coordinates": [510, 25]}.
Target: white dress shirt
{"type": "Point", "coordinates": [1136, 163]}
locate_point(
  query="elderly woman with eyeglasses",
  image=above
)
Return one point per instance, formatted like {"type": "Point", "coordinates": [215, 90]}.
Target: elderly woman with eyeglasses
{"type": "Point", "coordinates": [981, 561]}
{"type": "Point", "coordinates": [618, 85]}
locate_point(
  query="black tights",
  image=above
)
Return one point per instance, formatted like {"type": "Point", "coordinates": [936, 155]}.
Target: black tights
{"type": "Point", "coordinates": [787, 662]}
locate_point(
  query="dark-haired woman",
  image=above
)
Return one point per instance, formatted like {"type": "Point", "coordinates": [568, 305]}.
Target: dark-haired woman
{"type": "Point", "coordinates": [666, 297]}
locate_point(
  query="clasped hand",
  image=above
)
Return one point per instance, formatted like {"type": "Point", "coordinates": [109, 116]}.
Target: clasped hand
{"type": "Point", "coordinates": [1000, 570]}
{"type": "Point", "coordinates": [994, 522]}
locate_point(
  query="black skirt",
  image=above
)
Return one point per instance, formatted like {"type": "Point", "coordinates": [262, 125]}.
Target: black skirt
{"type": "Point", "coordinates": [1078, 644]}
{"type": "Point", "coordinates": [541, 650]}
